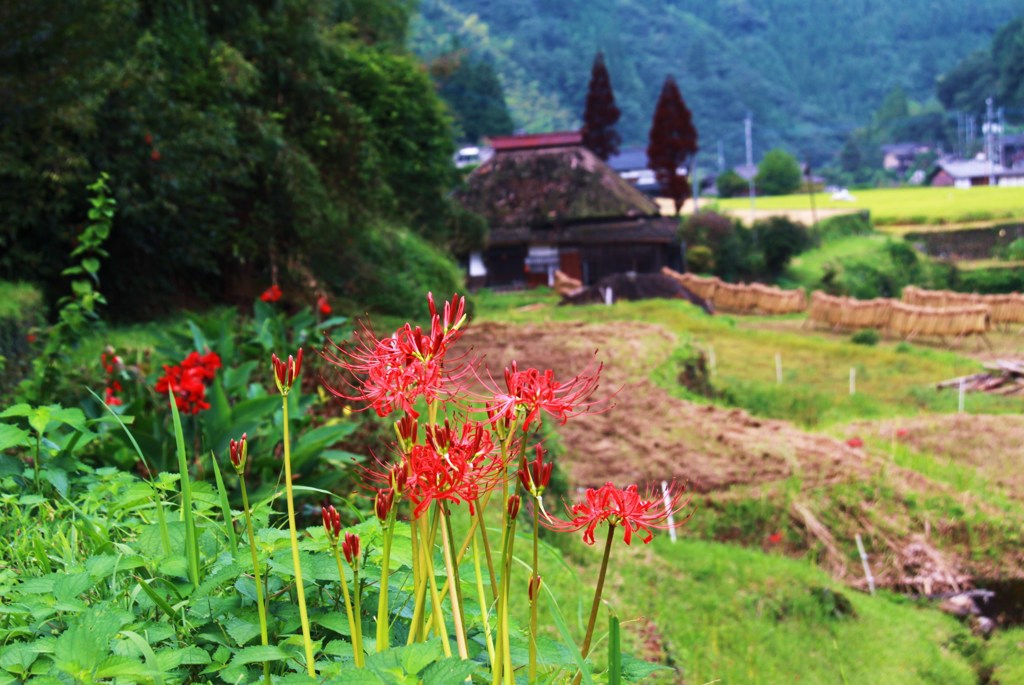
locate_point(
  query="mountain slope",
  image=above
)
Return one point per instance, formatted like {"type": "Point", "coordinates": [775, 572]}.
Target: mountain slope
{"type": "Point", "coordinates": [806, 73]}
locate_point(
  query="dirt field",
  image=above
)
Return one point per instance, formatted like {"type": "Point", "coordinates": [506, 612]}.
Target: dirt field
{"type": "Point", "coordinates": [648, 435]}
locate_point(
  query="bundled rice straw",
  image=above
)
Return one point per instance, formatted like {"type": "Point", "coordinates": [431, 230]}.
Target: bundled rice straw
{"type": "Point", "coordinates": [909, 320]}
{"type": "Point", "coordinates": [755, 297]}
{"type": "Point", "coordinates": [1005, 309]}
{"type": "Point", "coordinates": [566, 285]}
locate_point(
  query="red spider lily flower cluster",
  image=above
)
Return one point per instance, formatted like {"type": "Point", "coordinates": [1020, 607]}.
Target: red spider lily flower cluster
{"type": "Point", "coordinates": [286, 372]}
{"type": "Point", "coordinates": [625, 508]}
{"type": "Point", "coordinates": [855, 442]}
{"type": "Point", "coordinates": [396, 370]}
{"type": "Point", "coordinates": [528, 392]}
{"type": "Point", "coordinates": [271, 294]}
{"type": "Point", "coordinates": [112, 366]}
{"type": "Point", "coordinates": [350, 548]}
{"type": "Point", "coordinates": [512, 506]}
{"type": "Point", "coordinates": [383, 502]}
{"type": "Point", "coordinates": [188, 381]}
{"type": "Point", "coordinates": [323, 305]}
{"type": "Point", "coordinates": [332, 524]}
{"type": "Point", "coordinates": [535, 475]}
{"type": "Point", "coordinates": [453, 466]}
{"type": "Point", "coordinates": [238, 450]}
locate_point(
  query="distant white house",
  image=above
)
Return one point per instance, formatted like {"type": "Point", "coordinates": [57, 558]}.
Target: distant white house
{"type": "Point", "coordinates": [965, 173]}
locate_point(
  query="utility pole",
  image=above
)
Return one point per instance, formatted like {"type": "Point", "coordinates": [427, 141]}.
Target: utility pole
{"type": "Point", "coordinates": [810, 193]}
{"type": "Point", "coordinates": [959, 135]}
{"type": "Point", "coordinates": [748, 125]}
{"type": "Point", "coordinates": [989, 131]}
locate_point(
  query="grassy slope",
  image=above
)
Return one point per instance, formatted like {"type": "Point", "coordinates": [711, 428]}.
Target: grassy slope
{"type": "Point", "coordinates": [746, 616]}
{"type": "Point", "coordinates": [908, 205]}
{"type": "Point", "coordinates": [17, 299]}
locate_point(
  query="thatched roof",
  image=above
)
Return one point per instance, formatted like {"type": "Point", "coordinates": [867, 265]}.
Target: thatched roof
{"type": "Point", "coordinates": [549, 187]}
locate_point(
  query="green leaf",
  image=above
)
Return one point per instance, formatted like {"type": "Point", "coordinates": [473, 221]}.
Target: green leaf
{"type": "Point", "coordinates": [636, 670]}
{"type": "Point", "coordinates": [191, 543]}
{"type": "Point", "coordinates": [449, 670]}
{"type": "Point", "coordinates": [91, 264]}
{"type": "Point", "coordinates": [86, 642]}
{"type": "Point", "coordinates": [70, 586]}
{"type": "Point", "coordinates": [417, 656]}
{"type": "Point", "coordinates": [563, 630]}
{"type": "Point", "coordinates": [614, 652]}
{"type": "Point", "coordinates": [259, 654]}
{"type": "Point", "coordinates": [240, 630]}
{"type": "Point", "coordinates": [12, 436]}
{"type": "Point", "coordinates": [58, 478]}
{"type": "Point", "coordinates": [147, 653]}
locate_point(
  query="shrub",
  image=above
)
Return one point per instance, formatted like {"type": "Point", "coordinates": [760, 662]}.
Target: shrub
{"type": "Point", "coordinates": [868, 337]}
{"type": "Point", "coordinates": [700, 259]}
{"type": "Point", "coordinates": [844, 225]}
{"type": "Point", "coordinates": [731, 184]}
{"type": "Point", "coordinates": [780, 239]}
{"type": "Point", "coordinates": [778, 173]}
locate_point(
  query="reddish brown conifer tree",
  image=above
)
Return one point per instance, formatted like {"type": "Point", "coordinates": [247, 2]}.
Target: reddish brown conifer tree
{"type": "Point", "coordinates": [672, 144]}
{"type": "Point", "coordinates": [600, 113]}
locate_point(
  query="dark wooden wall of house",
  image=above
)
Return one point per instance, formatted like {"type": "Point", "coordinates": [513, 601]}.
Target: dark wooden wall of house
{"type": "Point", "coordinates": [505, 265]}
{"type": "Point", "coordinates": [604, 260]}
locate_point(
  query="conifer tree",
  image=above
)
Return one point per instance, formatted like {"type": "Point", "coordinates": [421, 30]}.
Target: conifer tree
{"type": "Point", "coordinates": [672, 144]}
{"type": "Point", "coordinates": [600, 113]}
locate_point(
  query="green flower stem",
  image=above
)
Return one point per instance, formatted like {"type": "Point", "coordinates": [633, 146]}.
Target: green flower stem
{"type": "Point", "coordinates": [597, 599]}
{"type": "Point", "coordinates": [481, 598]}
{"type": "Point", "coordinates": [452, 569]}
{"type": "Point", "coordinates": [383, 617]}
{"type": "Point", "coordinates": [419, 583]}
{"type": "Point", "coordinates": [261, 606]}
{"type": "Point", "coordinates": [501, 666]}
{"type": "Point", "coordinates": [435, 597]}
{"type": "Point", "coordinates": [357, 627]}
{"type": "Point", "coordinates": [300, 591]}
{"type": "Point", "coordinates": [357, 654]}
{"type": "Point", "coordinates": [535, 594]}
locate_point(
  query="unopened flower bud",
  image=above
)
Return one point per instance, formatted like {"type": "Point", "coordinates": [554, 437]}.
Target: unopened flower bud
{"type": "Point", "coordinates": [383, 502]}
{"type": "Point", "coordinates": [350, 548]}
{"type": "Point", "coordinates": [287, 372]}
{"type": "Point", "coordinates": [407, 430]}
{"type": "Point", "coordinates": [534, 587]}
{"type": "Point", "coordinates": [535, 475]}
{"type": "Point", "coordinates": [513, 507]}
{"type": "Point", "coordinates": [238, 450]}
{"type": "Point", "coordinates": [332, 523]}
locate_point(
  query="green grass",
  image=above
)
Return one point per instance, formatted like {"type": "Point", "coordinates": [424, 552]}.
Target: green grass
{"type": "Point", "coordinates": [18, 299]}
{"type": "Point", "coordinates": [1006, 657]}
{"type": "Point", "coordinates": [721, 612]}
{"type": "Point", "coordinates": [908, 205]}
{"type": "Point", "coordinates": [807, 268]}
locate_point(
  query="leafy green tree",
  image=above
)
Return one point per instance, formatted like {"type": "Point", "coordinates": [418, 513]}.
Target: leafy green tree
{"type": "Point", "coordinates": [474, 93]}
{"type": "Point", "coordinates": [672, 144]}
{"type": "Point", "coordinates": [600, 113]}
{"type": "Point", "coordinates": [778, 173]}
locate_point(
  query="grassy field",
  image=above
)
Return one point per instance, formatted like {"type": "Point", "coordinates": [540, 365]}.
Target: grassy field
{"type": "Point", "coordinates": [18, 298]}
{"type": "Point", "coordinates": [907, 205]}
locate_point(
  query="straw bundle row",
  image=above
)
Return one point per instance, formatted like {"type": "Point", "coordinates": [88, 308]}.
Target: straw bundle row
{"type": "Point", "coordinates": [1005, 309]}
{"type": "Point", "coordinates": [755, 297]}
{"type": "Point", "coordinates": [899, 319]}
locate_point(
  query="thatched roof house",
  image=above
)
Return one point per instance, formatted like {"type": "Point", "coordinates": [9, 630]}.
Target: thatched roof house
{"type": "Point", "coordinates": [552, 204]}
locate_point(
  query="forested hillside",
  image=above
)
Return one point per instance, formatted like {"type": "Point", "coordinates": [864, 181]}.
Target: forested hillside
{"type": "Point", "coordinates": [809, 72]}
{"type": "Point", "coordinates": [246, 142]}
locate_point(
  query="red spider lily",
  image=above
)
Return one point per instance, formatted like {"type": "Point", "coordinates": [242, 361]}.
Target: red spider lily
{"type": "Point", "coordinates": [530, 391]}
{"type": "Point", "coordinates": [238, 450]}
{"type": "Point", "coordinates": [407, 429]}
{"type": "Point", "coordinates": [902, 433]}
{"type": "Point", "coordinates": [453, 466]}
{"type": "Point", "coordinates": [621, 507]}
{"type": "Point", "coordinates": [855, 442]}
{"type": "Point", "coordinates": [31, 338]}
{"type": "Point", "coordinates": [110, 399]}
{"type": "Point", "coordinates": [350, 548]}
{"type": "Point", "coordinates": [332, 524]}
{"type": "Point", "coordinates": [271, 294]}
{"type": "Point", "coordinates": [411, 363]}
{"type": "Point", "coordinates": [775, 538]}
{"type": "Point", "coordinates": [286, 372]}
{"type": "Point", "coordinates": [112, 365]}
{"type": "Point", "coordinates": [155, 155]}
{"type": "Point", "coordinates": [535, 475]}
{"type": "Point", "coordinates": [323, 305]}
{"type": "Point", "coordinates": [188, 381]}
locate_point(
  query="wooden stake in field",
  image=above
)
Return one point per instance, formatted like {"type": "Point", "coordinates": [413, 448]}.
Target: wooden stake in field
{"type": "Point", "coordinates": [778, 368]}
{"type": "Point", "coordinates": [711, 360]}
{"type": "Point", "coordinates": [864, 561]}
{"type": "Point", "coordinates": [668, 508]}
{"type": "Point", "coordinates": [853, 381]}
